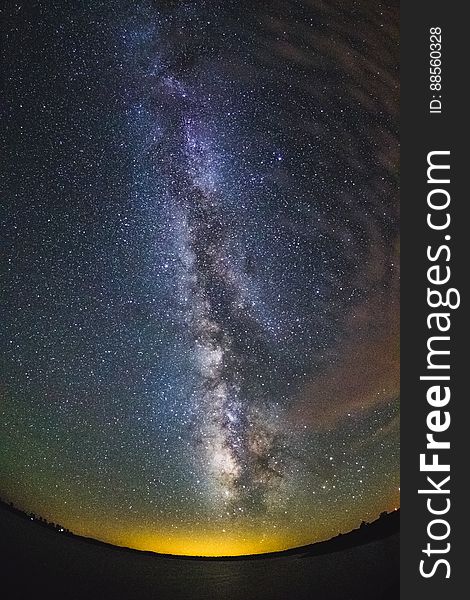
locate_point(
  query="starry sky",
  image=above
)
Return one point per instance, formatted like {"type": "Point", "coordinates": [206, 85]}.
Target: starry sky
{"type": "Point", "coordinates": [199, 269]}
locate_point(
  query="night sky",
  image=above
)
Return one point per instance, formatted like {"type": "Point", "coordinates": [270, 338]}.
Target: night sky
{"type": "Point", "coordinates": [199, 269]}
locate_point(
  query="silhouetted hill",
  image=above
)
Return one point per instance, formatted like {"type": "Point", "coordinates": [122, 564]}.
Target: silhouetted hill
{"type": "Point", "coordinates": [387, 524]}
{"type": "Point", "coordinates": [38, 560]}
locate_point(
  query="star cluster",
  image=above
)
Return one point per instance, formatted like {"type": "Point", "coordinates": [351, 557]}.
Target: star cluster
{"type": "Point", "coordinates": [200, 269]}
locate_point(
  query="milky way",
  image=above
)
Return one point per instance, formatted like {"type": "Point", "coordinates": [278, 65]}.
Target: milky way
{"type": "Point", "coordinates": [200, 307]}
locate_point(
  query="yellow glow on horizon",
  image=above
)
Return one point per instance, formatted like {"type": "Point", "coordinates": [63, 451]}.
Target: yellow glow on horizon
{"type": "Point", "coordinates": [206, 545]}
{"type": "Point", "coordinates": [223, 541]}
{"type": "Point", "coordinates": [213, 543]}
{"type": "Point", "coordinates": [192, 543]}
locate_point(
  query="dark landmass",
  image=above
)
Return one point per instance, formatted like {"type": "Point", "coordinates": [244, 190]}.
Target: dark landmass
{"type": "Point", "coordinates": [41, 558]}
{"type": "Point", "coordinates": [387, 524]}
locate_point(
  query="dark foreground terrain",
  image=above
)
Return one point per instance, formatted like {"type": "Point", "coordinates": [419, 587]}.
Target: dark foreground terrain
{"type": "Point", "coordinates": [37, 561]}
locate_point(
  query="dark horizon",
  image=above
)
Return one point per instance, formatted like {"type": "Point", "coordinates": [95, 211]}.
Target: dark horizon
{"type": "Point", "coordinates": [36, 558]}
{"type": "Point", "coordinates": [391, 527]}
